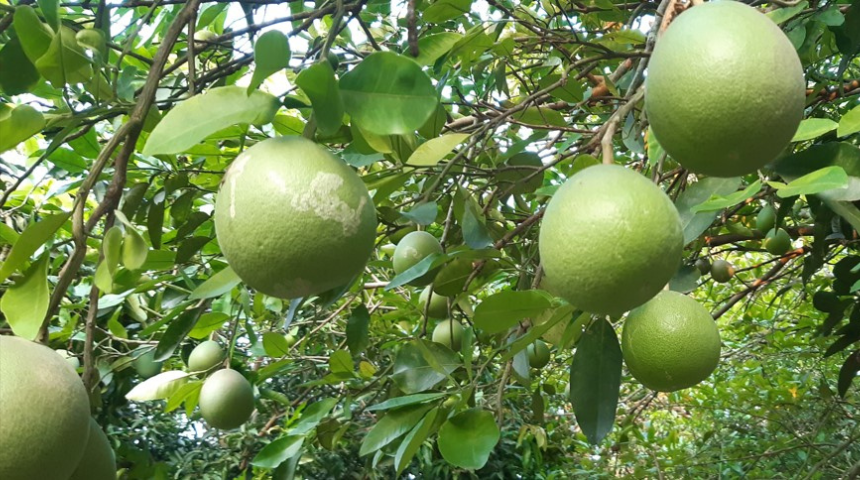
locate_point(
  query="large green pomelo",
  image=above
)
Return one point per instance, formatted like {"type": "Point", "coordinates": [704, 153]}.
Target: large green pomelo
{"type": "Point", "coordinates": [98, 462]}
{"type": "Point", "coordinates": [205, 356]}
{"type": "Point", "coordinates": [413, 248]}
{"type": "Point", "coordinates": [670, 343]}
{"type": "Point", "coordinates": [293, 220]}
{"type": "Point", "coordinates": [44, 413]}
{"type": "Point", "coordinates": [438, 304]}
{"type": "Point", "coordinates": [226, 400]}
{"type": "Point", "coordinates": [725, 89]}
{"type": "Point", "coordinates": [610, 240]}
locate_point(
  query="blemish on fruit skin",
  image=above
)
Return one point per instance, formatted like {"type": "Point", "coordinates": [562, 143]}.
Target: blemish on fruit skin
{"type": "Point", "coordinates": [278, 181]}
{"type": "Point", "coordinates": [321, 198]}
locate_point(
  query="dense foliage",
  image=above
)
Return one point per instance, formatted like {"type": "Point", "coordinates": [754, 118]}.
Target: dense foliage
{"type": "Point", "coordinates": [119, 119]}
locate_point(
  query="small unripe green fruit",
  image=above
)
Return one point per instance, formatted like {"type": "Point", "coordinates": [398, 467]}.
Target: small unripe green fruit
{"type": "Point", "coordinates": [766, 219]}
{"type": "Point", "coordinates": [226, 400]}
{"type": "Point", "coordinates": [777, 242]}
{"type": "Point", "coordinates": [205, 356]}
{"type": "Point", "coordinates": [413, 248]}
{"type": "Point", "coordinates": [449, 333]}
{"type": "Point", "coordinates": [205, 36]}
{"type": "Point", "coordinates": [438, 304]}
{"type": "Point", "coordinates": [44, 412]}
{"type": "Point", "coordinates": [538, 354]}
{"type": "Point", "coordinates": [388, 249]}
{"type": "Point", "coordinates": [722, 271]}
{"type": "Point", "coordinates": [703, 265]}
{"type": "Point", "coordinates": [146, 366]}
{"type": "Point", "coordinates": [91, 38]}
{"type": "Point", "coordinates": [291, 339]}
{"type": "Point", "coordinates": [98, 462]}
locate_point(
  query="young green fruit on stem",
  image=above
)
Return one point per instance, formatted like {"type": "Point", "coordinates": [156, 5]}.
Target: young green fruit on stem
{"type": "Point", "coordinates": [777, 242]}
{"type": "Point", "coordinates": [725, 89]}
{"type": "Point", "coordinates": [538, 354]}
{"type": "Point", "coordinates": [205, 356]}
{"type": "Point", "coordinates": [722, 271]}
{"type": "Point", "coordinates": [226, 400]}
{"type": "Point", "coordinates": [610, 240]}
{"type": "Point", "coordinates": [449, 333]}
{"type": "Point", "coordinates": [670, 343]}
{"type": "Point", "coordinates": [413, 248]}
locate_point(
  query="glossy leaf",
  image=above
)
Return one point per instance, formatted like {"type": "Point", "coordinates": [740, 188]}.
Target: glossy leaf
{"type": "Point", "coordinates": [17, 73]}
{"type": "Point", "coordinates": [717, 202]}
{"type": "Point", "coordinates": [217, 285]}
{"type": "Point", "coordinates": [191, 121]}
{"type": "Point", "coordinates": [432, 151]}
{"type": "Point", "coordinates": [414, 374]}
{"type": "Point", "coordinates": [595, 377]}
{"type": "Point", "coordinates": [271, 54]}
{"type": "Point", "coordinates": [432, 47]}
{"type": "Point", "coordinates": [277, 452]}
{"type": "Point", "coordinates": [159, 387]}
{"type": "Point", "coordinates": [24, 122]}
{"type": "Point", "coordinates": [405, 400]}
{"type": "Point", "coordinates": [357, 336]}
{"type": "Point", "coordinates": [504, 310]}
{"type": "Point", "coordinates": [827, 178]}
{"type": "Point", "coordinates": [850, 123]}
{"type": "Point", "coordinates": [467, 439]}
{"type": "Point", "coordinates": [390, 427]}
{"type": "Point", "coordinates": [388, 94]}
{"type": "Point", "coordinates": [30, 240]}
{"type": "Point", "coordinates": [25, 304]}
{"type": "Point", "coordinates": [319, 84]}
{"type": "Point", "coordinates": [175, 334]}
{"type": "Point", "coordinates": [693, 223]}
{"type": "Point", "coordinates": [813, 128]}
{"type": "Point", "coordinates": [413, 440]}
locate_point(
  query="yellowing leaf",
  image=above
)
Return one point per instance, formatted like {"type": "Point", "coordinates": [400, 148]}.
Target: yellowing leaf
{"type": "Point", "coordinates": [433, 151]}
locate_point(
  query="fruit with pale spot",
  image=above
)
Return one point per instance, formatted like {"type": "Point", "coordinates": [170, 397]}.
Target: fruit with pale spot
{"type": "Point", "coordinates": [226, 400]}
{"type": "Point", "coordinates": [293, 220]}
{"type": "Point", "coordinates": [413, 248]}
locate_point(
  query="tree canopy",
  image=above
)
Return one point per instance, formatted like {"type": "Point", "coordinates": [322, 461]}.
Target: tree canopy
{"type": "Point", "coordinates": [119, 120]}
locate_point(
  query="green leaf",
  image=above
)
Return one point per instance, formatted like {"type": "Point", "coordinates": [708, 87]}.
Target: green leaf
{"type": "Point", "coordinates": [475, 232]}
{"type": "Point", "coordinates": [444, 10]}
{"type": "Point", "coordinates": [717, 202]}
{"type": "Point", "coordinates": [208, 323]}
{"type": "Point", "coordinates": [850, 123]}
{"type": "Point", "coordinates": [182, 394]}
{"type": "Point", "coordinates": [505, 309]}
{"type": "Point", "coordinates": [540, 116]}
{"type": "Point", "coordinates": [818, 181]}
{"type": "Point", "coordinates": [388, 94]}
{"type": "Point", "coordinates": [392, 426]}
{"type": "Point", "coordinates": [847, 372]}
{"type": "Point", "coordinates": [423, 214]}
{"type": "Point", "coordinates": [158, 387]}
{"type": "Point", "coordinates": [24, 122]}
{"type": "Point", "coordinates": [813, 128]}
{"type": "Point", "coordinates": [781, 15]}
{"type": "Point", "coordinates": [17, 73]}
{"type": "Point", "coordinates": [49, 10]}
{"type": "Point", "coordinates": [414, 374]}
{"type": "Point", "coordinates": [341, 362]}
{"type": "Point", "coordinates": [413, 440]}
{"type": "Point", "coordinates": [155, 219]}
{"type": "Point", "coordinates": [357, 338]}
{"type": "Point", "coordinates": [134, 249]}
{"type": "Point", "coordinates": [405, 400]}
{"type": "Point", "coordinates": [275, 345]}
{"type": "Point", "coordinates": [217, 285]}
{"type": "Point", "coordinates": [431, 152]}
{"type": "Point", "coordinates": [695, 223]}
{"type": "Point", "coordinates": [467, 439]}
{"type": "Point", "coordinates": [190, 122]}
{"type": "Point", "coordinates": [595, 377]}
{"type": "Point", "coordinates": [30, 240]}
{"type": "Point", "coordinates": [34, 35]}
{"type": "Point", "coordinates": [312, 415]}
{"type": "Point", "coordinates": [271, 54]}
{"type": "Point", "coordinates": [319, 84]}
{"type": "Point", "coordinates": [112, 248]}
{"type": "Point", "coordinates": [25, 304]}
{"type": "Point", "coordinates": [452, 278]}
{"type": "Point", "coordinates": [175, 334]}
{"type": "Point", "coordinates": [432, 47]}
{"type": "Point", "coordinates": [64, 61]}
{"type": "Point", "coordinates": [418, 270]}
{"type": "Point", "coordinates": [277, 452]}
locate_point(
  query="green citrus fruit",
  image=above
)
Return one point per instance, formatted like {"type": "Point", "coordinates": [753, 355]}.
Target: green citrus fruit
{"type": "Point", "coordinates": [610, 240]}
{"type": "Point", "coordinates": [291, 339]}
{"type": "Point", "coordinates": [205, 356]}
{"type": "Point", "coordinates": [438, 304]}
{"type": "Point", "coordinates": [449, 333]}
{"type": "Point", "coordinates": [98, 462]}
{"type": "Point", "coordinates": [145, 364]}
{"type": "Point", "coordinates": [44, 412]}
{"type": "Point", "coordinates": [777, 242]}
{"type": "Point", "coordinates": [704, 266]}
{"type": "Point", "coordinates": [766, 219]}
{"type": "Point", "coordinates": [538, 354]}
{"type": "Point", "coordinates": [293, 220]}
{"type": "Point", "coordinates": [722, 271]}
{"type": "Point", "coordinates": [670, 343]}
{"type": "Point", "coordinates": [516, 169]}
{"type": "Point", "coordinates": [69, 357]}
{"type": "Point", "coordinates": [91, 38]}
{"type": "Point", "coordinates": [413, 248]}
{"type": "Point", "coordinates": [226, 400]}
{"type": "Point", "coordinates": [205, 35]}
{"type": "Point", "coordinates": [725, 89]}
